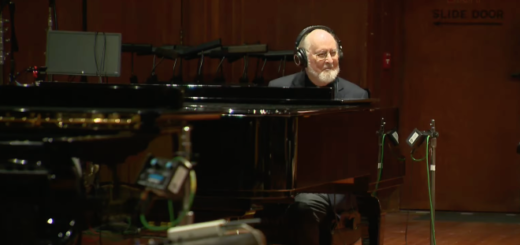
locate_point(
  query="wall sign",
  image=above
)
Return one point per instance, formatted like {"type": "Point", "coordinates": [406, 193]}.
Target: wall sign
{"type": "Point", "coordinates": [461, 16]}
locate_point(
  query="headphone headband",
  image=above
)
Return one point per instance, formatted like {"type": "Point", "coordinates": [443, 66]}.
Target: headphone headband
{"type": "Point", "coordinates": [309, 29]}
{"type": "Point", "coordinates": [300, 57]}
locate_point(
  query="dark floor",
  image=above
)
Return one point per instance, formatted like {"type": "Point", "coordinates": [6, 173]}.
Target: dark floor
{"type": "Point", "coordinates": [451, 228]}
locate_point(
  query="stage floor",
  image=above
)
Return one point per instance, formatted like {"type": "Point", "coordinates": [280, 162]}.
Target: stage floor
{"type": "Point", "coordinates": [451, 228]}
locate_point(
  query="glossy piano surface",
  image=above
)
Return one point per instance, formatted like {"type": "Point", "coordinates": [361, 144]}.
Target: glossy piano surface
{"type": "Point", "coordinates": [272, 154]}
{"type": "Point", "coordinates": [264, 109]}
{"type": "Point", "coordinates": [262, 152]}
{"type": "Point", "coordinates": [271, 143]}
{"type": "Point", "coordinates": [241, 94]}
{"type": "Point", "coordinates": [48, 133]}
{"type": "Point", "coordinates": [272, 138]}
{"type": "Point", "coordinates": [95, 121]}
{"type": "Point", "coordinates": [96, 96]}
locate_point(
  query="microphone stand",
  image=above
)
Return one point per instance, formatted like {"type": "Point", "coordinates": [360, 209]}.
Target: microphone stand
{"type": "Point", "coordinates": [432, 150]}
{"type": "Point", "coordinates": [84, 10]}
{"type": "Point", "coordinates": [52, 8]}
{"type": "Point", "coordinates": [133, 77]}
{"type": "Point", "coordinates": [14, 43]}
{"type": "Point", "coordinates": [200, 78]}
{"type": "Point", "coordinates": [52, 11]}
{"type": "Point", "coordinates": [380, 134]}
{"type": "Point", "coordinates": [244, 80]}
{"type": "Point", "coordinates": [3, 3]}
{"type": "Point", "coordinates": [153, 77]}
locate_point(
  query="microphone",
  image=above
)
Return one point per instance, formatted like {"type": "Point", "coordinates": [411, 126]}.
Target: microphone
{"type": "Point", "coordinates": [14, 42]}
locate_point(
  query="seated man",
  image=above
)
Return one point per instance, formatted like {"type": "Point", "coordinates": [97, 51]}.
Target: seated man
{"type": "Point", "coordinates": [318, 52]}
{"type": "Point", "coordinates": [312, 217]}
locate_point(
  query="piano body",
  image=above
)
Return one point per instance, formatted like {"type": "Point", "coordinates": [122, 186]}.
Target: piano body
{"type": "Point", "coordinates": [48, 133]}
{"type": "Point", "coordinates": [272, 143]}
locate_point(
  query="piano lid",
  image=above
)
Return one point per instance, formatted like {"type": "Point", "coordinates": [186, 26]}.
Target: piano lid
{"type": "Point", "coordinates": [251, 94]}
{"type": "Point", "coordinates": [91, 96]}
{"type": "Point", "coordinates": [241, 100]}
{"type": "Point", "coordinates": [253, 101]}
{"type": "Point", "coordinates": [254, 94]}
{"type": "Point", "coordinates": [274, 110]}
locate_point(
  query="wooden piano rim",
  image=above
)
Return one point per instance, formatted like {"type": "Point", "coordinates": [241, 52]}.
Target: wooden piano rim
{"type": "Point", "coordinates": [347, 181]}
{"type": "Point", "coordinates": [190, 117]}
{"type": "Point", "coordinates": [362, 180]}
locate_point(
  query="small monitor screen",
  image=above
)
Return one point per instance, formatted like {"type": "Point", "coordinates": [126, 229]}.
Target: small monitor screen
{"type": "Point", "coordinates": [83, 53]}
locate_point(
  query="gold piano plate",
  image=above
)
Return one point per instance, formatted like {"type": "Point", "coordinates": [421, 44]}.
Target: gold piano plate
{"type": "Point", "coordinates": [71, 120]}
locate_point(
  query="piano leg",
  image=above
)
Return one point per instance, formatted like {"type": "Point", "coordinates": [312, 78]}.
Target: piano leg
{"type": "Point", "coordinates": [370, 211]}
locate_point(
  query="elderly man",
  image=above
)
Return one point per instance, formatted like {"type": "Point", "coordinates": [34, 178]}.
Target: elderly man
{"type": "Point", "coordinates": [318, 52]}
{"type": "Point", "coordinates": [312, 216]}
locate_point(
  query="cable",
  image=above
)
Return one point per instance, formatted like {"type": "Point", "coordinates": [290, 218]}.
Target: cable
{"type": "Point", "coordinates": [381, 162]}
{"type": "Point", "coordinates": [188, 202]}
{"type": "Point", "coordinates": [396, 155]}
{"type": "Point", "coordinates": [417, 160]}
{"type": "Point", "coordinates": [380, 165]}
{"type": "Point", "coordinates": [158, 63]}
{"type": "Point", "coordinates": [55, 15]}
{"type": "Point", "coordinates": [432, 217]}
{"type": "Point", "coordinates": [98, 73]}
{"type": "Point", "coordinates": [84, 25]}
{"type": "Point", "coordinates": [174, 222]}
{"type": "Point", "coordinates": [408, 212]}
{"type": "Point", "coordinates": [95, 53]}
{"type": "Point", "coordinates": [55, 19]}
{"type": "Point", "coordinates": [14, 43]}
{"type": "Point", "coordinates": [158, 228]}
{"type": "Point", "coordinates": [103, 54]}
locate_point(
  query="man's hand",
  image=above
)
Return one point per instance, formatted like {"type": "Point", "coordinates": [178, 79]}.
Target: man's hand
{"type": "Point", "coordinates": [349, 220]}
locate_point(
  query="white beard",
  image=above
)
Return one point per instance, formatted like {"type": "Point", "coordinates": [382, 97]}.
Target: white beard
{"type": "Point", "coordinates": [325, 77]}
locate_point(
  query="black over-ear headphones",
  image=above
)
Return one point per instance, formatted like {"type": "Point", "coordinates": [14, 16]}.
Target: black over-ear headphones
{"type": "Point", "coordinates": [300, 55]}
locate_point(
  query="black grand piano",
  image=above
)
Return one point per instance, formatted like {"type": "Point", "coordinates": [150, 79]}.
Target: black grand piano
{"type": "Point", "coordinates": [272, 143]}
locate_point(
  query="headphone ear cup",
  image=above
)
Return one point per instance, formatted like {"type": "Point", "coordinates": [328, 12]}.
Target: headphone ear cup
{"type": "Point", "coordinates": [340, 51]}
{"type": "Point", "coordinates": [303, 54]}
{"type": "Point", "coordinates": [300, 58]}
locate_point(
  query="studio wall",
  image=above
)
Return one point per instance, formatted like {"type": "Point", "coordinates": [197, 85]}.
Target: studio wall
{"type": "Point", "coordinates": [360, 25]}
{"type": "Point", "coordinates": [458, 72]}
{"type": "Point", "coordinates": [235, 22]}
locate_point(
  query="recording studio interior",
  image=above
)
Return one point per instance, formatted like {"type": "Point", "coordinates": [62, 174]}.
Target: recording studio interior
{"type": "Point", "coordinates": [295, 122]}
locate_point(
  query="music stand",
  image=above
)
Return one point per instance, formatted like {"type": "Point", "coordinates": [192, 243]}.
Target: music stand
{"type": "Point", "coordinates": [84, 53]}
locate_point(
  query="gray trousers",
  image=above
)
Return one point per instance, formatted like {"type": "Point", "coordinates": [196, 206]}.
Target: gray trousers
{"type": "Point", "coordinates": [312, 217]}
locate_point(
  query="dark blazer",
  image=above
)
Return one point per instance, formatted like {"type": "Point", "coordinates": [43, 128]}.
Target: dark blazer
{"type": "Point", "coordinates": [346, 89]}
